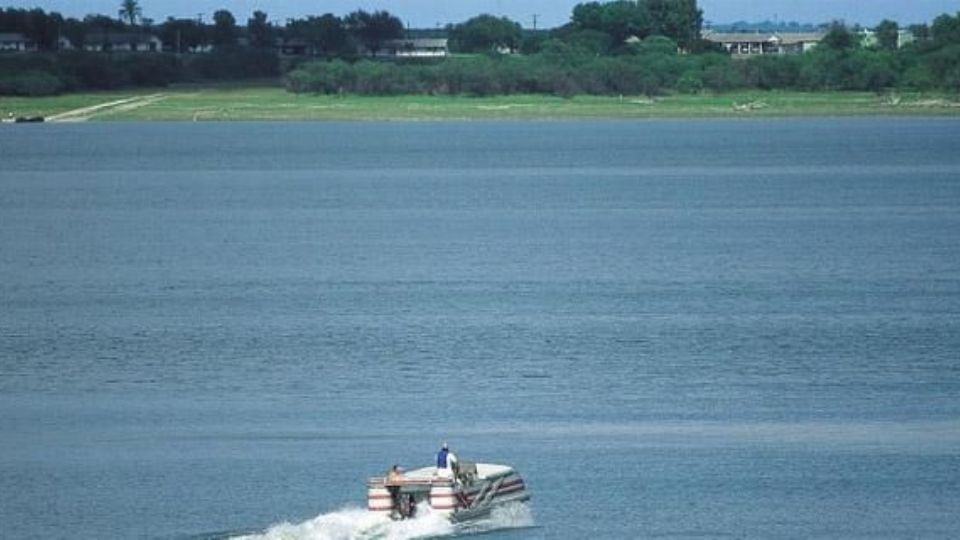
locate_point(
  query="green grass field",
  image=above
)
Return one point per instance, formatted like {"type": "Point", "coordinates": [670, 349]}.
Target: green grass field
{"type": "Point", "coordinates": [263, 103]}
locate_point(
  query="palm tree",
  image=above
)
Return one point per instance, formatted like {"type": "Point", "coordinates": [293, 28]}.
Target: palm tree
{"type": "Point", "coordinates": [130, 11]}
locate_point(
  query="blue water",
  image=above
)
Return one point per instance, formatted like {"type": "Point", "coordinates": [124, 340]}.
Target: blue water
{"type": "Point", "coordinates": [677, 329]}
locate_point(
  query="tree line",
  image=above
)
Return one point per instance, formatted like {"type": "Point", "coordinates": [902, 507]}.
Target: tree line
{"type": "Point", "coordinates": [229, 51]}
{"type": "Point", "coordinates": [581, 59]}
{"type": "Point", "coordinates": [329, 33]}
{"type": "Point", "coordinates": [620, 47]}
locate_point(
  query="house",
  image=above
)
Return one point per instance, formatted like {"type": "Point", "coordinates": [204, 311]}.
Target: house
{"type": "Point", "coordinates": [297, 46]}
{"type": "Point", "coordinates": [393, 48]}
{"type": "Point", "coordinates": [179, 48]}
{"type": "Point", "coordinates": [868, 38]}
{"type": "Point", "coordinates": [293, 46]}
{"type": "Point", "coordinates": [414, 48]}
{"type": "Point", "coordinates": [122, 42]}
{"type": "Point", "coordinates": [747, 44]}
{"type": "Point", "coordinates": [904, 38]}
{"type": "Point", "coordinates": [14, 42]}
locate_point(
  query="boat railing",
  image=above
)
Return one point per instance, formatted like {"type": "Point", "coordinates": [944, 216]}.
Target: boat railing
{"type": "Point", "coordinates": [381, 481]}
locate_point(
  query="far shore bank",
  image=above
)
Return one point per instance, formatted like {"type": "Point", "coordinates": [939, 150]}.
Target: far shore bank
{"type": "Point", "coordinates": [259, 103]}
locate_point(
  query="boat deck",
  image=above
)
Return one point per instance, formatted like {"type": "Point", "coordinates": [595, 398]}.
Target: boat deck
{"type": "Point", "coordinates": [426, 476]}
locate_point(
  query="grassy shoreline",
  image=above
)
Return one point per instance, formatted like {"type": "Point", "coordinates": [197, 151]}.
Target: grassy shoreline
{"type": "Point", "coordinates": [257, 103]}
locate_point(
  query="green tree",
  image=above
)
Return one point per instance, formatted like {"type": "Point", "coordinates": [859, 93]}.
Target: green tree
{"type": "Point", "coordinates": [777, 72]}
{"type": "Point", "coordinates": [35, 24]}
{"type": "Point", "coordinates": [680, 20]}
{"type": "Point", "coordinates": [130, 11]}
{"type": "Point", "coordinates": [100, 27]}
{"type": "Point", "coordinates": [259, 30]}
{"type": "Point", "coordinates": [620, 20]}
{"type": "Point", "coordinates": [588, 16]}
{"type": "Point", "coordinates": [485, 33]}
{"type": "Point", "coordinates": [556, 52]}
{"type": "Point", "coordinates": [44, 28]}
{"type": "Point", "coordinates": [655, 45]}
{"type": "Point", "coordinates": [180, 35]}
{"type": "Point", "coordinates": [75, 31]}
{"type": "Point", "coordinates": [875, 70]}
{"type": "Point", "coordinates": [839, 37]}
{"type": "Point", "coordinates": [888, 35]}
{"type": "Point", "coordinates": [721, 77]}
{"type": "Point", "coordinates": [944, 67]}
{"type": "Point", "coordinates": [946, 29]}
{"type": "Point", "coordinates": [372, 30]}
{"type": "Point", "coordinates": [532, 41]}
{"type": "Point", "coordinates": [660, 64]}
{"type": "Point", "coordinates": [921, 32]}
{"type": "Point", "coordinates": [224, 28]}
{"type": "Point", "coordinates": [691, 82]}
{"type": "Point", "coordinates": [593, 42]}
{"type": "Point", "coordinates": [325, 34]}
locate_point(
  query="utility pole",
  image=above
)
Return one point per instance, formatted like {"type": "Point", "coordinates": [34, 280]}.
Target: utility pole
{"type": "Point", "coordinates": [535, 15]}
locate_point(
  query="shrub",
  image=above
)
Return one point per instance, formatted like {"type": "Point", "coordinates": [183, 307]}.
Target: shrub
{"type": "Point", "coordinates": [35, 83]}
{"type": "Point", "coordinates": [720, 78]}
{"type": "Point", "coordinates": [225, 63]}
{"type": "Point", "coordinates": [322, 77]}
{"type": "Point", "coordinates": [944, 66]}
{"type": "Point", "coordinates": [691, 82]}
{"type": "Point", "coordinates": [777, 72]}
{"type": "Point", "coordinates": [149, 70]}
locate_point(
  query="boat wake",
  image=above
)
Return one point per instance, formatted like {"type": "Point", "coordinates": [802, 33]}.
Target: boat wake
{"type": "Point", "coordinates": [359, 524]}
{"type": "Point", "coordinates": [516, 515]}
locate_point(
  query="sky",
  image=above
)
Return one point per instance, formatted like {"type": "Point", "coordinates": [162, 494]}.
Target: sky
{"type": "Point", "coordinates": [549, 13]}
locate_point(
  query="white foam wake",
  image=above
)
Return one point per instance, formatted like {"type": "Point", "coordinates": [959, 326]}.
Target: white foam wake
{"type": "Point", "coordinates": [359, 524]}
{"type": "Point", "coordinates": [356, 524]}
{"type": "Point", "coordinates": [509, 516]}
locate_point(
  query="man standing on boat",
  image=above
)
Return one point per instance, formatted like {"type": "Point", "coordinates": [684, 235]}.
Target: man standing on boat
{"type": "Point", "coordinates": [393, 482]}
{"type": "Point", "coordinates": [446, 462]}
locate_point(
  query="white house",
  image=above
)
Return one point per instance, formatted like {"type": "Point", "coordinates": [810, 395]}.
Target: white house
{"type": "Point", "coordinates": [868, 38]}
{"type": "Point", "coordinates": [14, 42]}
{"type": "Point", "coordinates": [122, 42]}
{"type": "Point", "coordinates": [746, 44]}
{"type": "Point", "coordinates": [414, 48]}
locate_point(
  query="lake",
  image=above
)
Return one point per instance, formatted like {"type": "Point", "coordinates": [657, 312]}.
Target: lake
{"type": "Point", "coordinates": [678, 329]}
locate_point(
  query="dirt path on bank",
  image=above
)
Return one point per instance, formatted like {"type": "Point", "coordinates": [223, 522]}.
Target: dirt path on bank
{"type": "Point", "coordinates": [121, 105]}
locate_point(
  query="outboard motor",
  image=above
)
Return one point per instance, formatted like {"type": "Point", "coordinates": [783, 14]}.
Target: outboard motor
{"type": "Point", "coordinates": [407, 507]}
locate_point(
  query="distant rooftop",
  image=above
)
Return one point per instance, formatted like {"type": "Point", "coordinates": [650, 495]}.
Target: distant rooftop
{"type": "Point", "coordinates": [785, 38]}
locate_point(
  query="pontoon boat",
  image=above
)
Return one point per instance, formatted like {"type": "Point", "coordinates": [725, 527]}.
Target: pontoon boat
{"type": "Point", "coordinates": [475, 490]}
